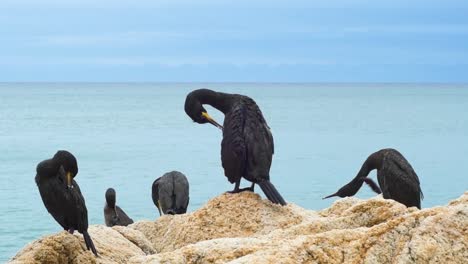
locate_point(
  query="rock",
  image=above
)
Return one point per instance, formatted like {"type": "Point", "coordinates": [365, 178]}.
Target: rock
{"type": "Point", "coordinates": [228, 215]}
{"type": "Point", "coordinates": [63, 247]}
{"type": "Point", "coordinates": [137, 238]}
{"type": "Point", "coordinates": [243, 228]}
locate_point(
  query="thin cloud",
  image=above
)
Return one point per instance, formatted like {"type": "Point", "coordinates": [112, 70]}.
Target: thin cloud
{"type": "Point", "coordinates": [139, 37]}
{"type": "Point", "coordinates": [160, 61]}
{"type": "Point", "coordinates": [410, 29]}
{"type": "Point", "coordinates": [379, 57]}
{"type": "Point", "coordinates": [142, 37]}
{"type": "Point", "coordinates": [106, 38]}
{"type": "Point", "coordinates": [232, 4]}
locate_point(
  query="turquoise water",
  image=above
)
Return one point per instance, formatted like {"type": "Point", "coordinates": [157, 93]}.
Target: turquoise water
{"type": "Point", "coordinates": [126, 135]}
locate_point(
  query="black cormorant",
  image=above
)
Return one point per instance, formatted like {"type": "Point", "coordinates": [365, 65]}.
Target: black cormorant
{"type": "Point", "coordinates": [170, 193]}
{"type": "Point", "coordinates": [247, 146]}
{"type": "Point", "coordinates": [395, 175]}
{"type": "Point", "coordinates": [62, 196]}
{"type": "Point", "coordinates": [113, 214]}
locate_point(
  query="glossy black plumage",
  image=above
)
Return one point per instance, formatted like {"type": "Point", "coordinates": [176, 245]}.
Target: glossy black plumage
{"type": "Point", "coordinates": [65, 203]}
{"type": "Point", "coordinates": [113, 214]}
{"type": "Point", "coordinates": [170, 193]}
{"type": "Point", "coordinates": [396, 178]}
{"type": "Point", "coordinates": [247, 146]}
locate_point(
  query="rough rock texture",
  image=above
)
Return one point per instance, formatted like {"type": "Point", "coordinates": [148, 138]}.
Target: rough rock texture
{"type": "Point", "coordinates": [242, 228]}
{"type": "Point", "coordinates": [112, 247]}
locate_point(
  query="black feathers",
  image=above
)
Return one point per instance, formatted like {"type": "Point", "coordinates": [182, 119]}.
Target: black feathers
{"type": "Point", "coordinates": [372, 185]}
{"type": "Point", "coordinates": [170, 193]}
{"type": "Point", "coordinates": [66, 205]}
{"type": "Point", "coordinates": [247, 146]}
{"type": "Point", "coordinates": [272, 194]}
{"type": "Point", "coordinates": [113, 214]}
{"type": "Point", "coordinates": [396, 178]}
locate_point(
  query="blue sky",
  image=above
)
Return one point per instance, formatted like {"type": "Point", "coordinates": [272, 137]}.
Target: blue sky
{"type": "Point", "coordinates": [235, 41]}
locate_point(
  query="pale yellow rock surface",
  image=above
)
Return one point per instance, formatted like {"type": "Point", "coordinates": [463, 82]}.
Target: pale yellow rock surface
{"type": "Point", "coordinates": [63, 247]}
{"type": "Point", "coordinates": [242, 228]}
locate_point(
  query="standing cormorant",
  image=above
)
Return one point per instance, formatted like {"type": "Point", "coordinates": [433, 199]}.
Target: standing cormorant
{"type": "Point", "coordinates": [247, 146]}
{"type": "Point", "coordinates": [62, 196]}
{"type": "Point", "coordinates": [113, 214]}
{"type": "Point", "coordinates": [395, 175]}
{"type": "Point", "coordinates": [170, 193]}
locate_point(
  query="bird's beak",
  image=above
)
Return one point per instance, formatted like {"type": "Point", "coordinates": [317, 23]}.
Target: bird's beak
{"type": "Point", "coordinates": [159, 209]}
{"type": "Point", "coordinates": [211, 120]}
{"type": "Point", "coordinates": [335, 194]}
{"type": "Point", "coordinates": [69, 180]}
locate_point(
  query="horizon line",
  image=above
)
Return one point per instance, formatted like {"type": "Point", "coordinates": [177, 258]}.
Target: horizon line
{"type": "Point", "coordinates": [233, 82]}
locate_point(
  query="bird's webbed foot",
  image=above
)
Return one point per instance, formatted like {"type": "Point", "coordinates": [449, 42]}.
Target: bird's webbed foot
{"type": "Point", "coordinates": [238, 190]}
{"type": "Point", "coordinates": [249, 189]}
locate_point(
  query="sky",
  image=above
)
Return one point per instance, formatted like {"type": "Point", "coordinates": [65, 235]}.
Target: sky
{"type": "Point", "coordinates": [233, 41]}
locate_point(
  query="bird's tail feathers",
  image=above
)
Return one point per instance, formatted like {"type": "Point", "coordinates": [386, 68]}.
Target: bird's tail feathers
{"type": "Point", "coordinates": [89, 243]}
{"type": "Point", "coordinates": [271, 193]}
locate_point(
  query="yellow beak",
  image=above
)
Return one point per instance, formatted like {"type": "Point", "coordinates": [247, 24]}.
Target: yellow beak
{"type": "Point", "coordinates": [69, 180]}
{"type": "Point", "coordinates": [211, 120]}
{"type": "Point", "coordinates": [159, 209]}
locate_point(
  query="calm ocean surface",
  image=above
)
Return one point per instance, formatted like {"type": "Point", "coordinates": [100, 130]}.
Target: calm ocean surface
{"type": "Point", "coordinates": [126, 135]}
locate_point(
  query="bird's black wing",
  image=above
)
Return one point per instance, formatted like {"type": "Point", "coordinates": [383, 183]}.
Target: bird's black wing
{"type": "Point", "coordinates": [52, 188]}
{"type": "Point", "coordinates": [233, 148]}
{"type": "Point", "coordinates": [77, 208]}
{"type": "Point", "coordinates": [259, 142]}
{"type": "Point", "coordinates": [52, 199]}
{"type": "Point", "coordinates": [155, 191]}
{"type": "Point", "coordinates": [181, 191]}
{"type": "Point", "coordinates": [165, 191]}
{"type": "Point", "coordinates": [260, 148]}
{"type": "Point", "coordinates": [400, 181]}
{"type": "Point", "coordinates": [123, 218]}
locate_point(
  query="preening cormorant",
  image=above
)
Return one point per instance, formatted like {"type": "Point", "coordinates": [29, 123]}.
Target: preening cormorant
{"type": "Point", "coordinates": [62, 196]}
{"type": "Point", "coordinates": [170, 193]}
{"type": "Point", "coordinates": [395, 175]}
{"type": "Point", "coordinates": [247, 146]}
{"type": "Point", "coordinates": [113, 214]}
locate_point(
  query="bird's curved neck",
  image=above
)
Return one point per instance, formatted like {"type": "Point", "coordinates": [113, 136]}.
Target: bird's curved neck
{"type": "Point", "coordinates": [374, 161]}
{"type": "Point", "coordinates": [221, 101]}
{"type": "Point", "coordinates": [110, 200]}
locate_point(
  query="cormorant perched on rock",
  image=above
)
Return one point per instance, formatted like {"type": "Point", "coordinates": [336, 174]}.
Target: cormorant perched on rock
{"type": "Point", "coordinates": [62, 196]}
{"type": "Point", "coordinates": [170, 193]}
{"type": "Point", "coordinates": [247, 146]}
{"type": "Point", "coordinates": [395, 175]}
{"type": "Point", "coordinates": [114, 215]}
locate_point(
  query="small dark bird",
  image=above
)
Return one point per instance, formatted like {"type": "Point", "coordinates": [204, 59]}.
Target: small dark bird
{"type": "Point", "coordinates": [247, 146]}
{"type": "Point", "coordinates": [395, 175]}
{"type": "Point", "coordinates": [170, 193]}
{"type": "Point", "coordinates": [62, 196]}
{"type": "Point", "coordinates": [114, 215]}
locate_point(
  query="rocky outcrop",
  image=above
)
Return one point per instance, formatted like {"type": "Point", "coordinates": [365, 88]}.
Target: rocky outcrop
{"type": "Point", "coordinates": [243, 228]}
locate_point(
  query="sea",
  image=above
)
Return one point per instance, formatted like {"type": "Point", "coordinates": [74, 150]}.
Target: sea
{"type": "Point", "coordinates": [125, 135]}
